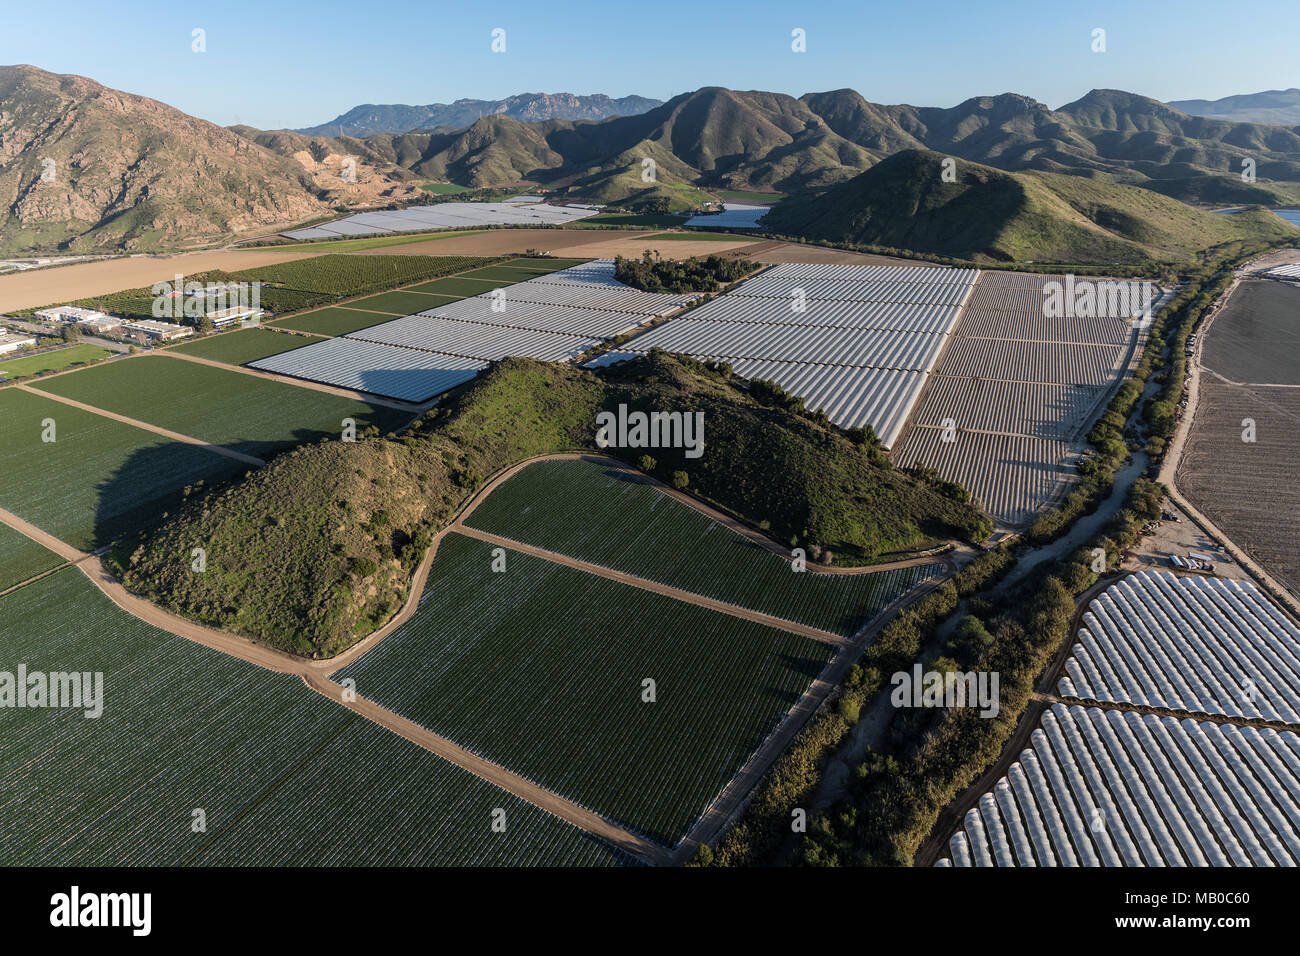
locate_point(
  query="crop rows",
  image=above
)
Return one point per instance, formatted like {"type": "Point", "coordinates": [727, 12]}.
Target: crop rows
{"type": "Point", "coordinates": [1114, 788]}
{"type": "Point", "coordinates": [99, 478]}
{"type": "Point", "coordinates": [283, 775]}
{"type": "Point", "coordinates": [242, 345]}
{"type": "Point", "coordinates": [340, 275]}
{"type": "Point", "coordinates": [250, 414]}
{"type": "Point", "coordinates": [542, 669]}
{"type": "Point", "coordinates": [606, 516]}
{"type": "Point", "coordinates": [1194, 644]}
{"type": "Point", "coordinates": [22, 558]}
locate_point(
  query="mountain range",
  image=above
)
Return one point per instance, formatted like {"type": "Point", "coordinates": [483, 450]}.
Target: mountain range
{"type": "Point", "coordinates": [370, 119]}
{"type": "Point", "coordinates": [137, 174]}
{"type": "Point", "coordinates": [1271, 106]}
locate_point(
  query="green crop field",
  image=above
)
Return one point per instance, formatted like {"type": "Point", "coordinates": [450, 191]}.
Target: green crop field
{"type": "Point", "coordinates": [342, 275]}
{"type": "Point", "coordinates": [99, 478]}
{"type": "Point", "coordinates": [282, 775]}
{"type": "Point", "coordinates": [460, 287]}
{"type": "Point", "coordinates": [626, 219]}
{"type": "Point", "coordinates": [406, 302]}
{"type": "Point", "coordinates": [242, 345]}
{"type": "Point", "coordinates": [52, 361]}
{"type": "Point", "coordinates": [543, 262]}
{"type": "Point", "coordinates": [444, 189]}
{"type": "Point", "coordinates": [247, 413]}
{"type": "Point", "coordinates": [606, 516]}
{"type": "Point", "coordinates": [335, 320]}
{"type": "Point", "coordinates": [22, 558]}
{"type": "Point", "coordinates": [508, 273]}
{"type": "Point", "coordinates": [379, 242]}
{"type": "Point", "coordinates": [541, 668]}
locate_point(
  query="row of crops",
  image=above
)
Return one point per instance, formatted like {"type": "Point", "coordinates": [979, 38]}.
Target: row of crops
{"type": "Point", "coordinates": [1117, 788]}
{"type": "Point", "coordinates": [605, 515]}
{"type": "Point", "coordinates": [250, 414]}
{"type": "Point", "coordinates": [1188, 643]}
{"type": "Point", "coordinates": [22, 558]}
{"type": "Point", "coordinates": [542, 668]}
{"type": "Point", "coordinates": [97, 478]}
{"type": "Point", "coordinates": [281, 775]}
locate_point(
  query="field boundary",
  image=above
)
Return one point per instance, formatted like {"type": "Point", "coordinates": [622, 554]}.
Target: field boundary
{"type": "Point", "coordinates": [146, 426]}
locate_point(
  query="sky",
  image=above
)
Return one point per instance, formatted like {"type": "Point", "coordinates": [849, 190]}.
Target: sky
{"type": "Point", "coordinates": [288, 64]}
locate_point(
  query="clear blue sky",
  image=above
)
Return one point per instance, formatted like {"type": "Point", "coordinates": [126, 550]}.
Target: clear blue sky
{"type": "Point", "coordinates": [282, 63]}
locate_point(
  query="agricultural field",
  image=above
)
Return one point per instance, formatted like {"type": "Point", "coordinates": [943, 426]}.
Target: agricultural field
{"type": "Point", "coordinates": [1117, 788]}
{"type": "Point", "coordinates": [460, 286]}
{"type": "Point", "coordinates": [1020, 389]}
{"type": "Point", "coordinates": [401, 303]}
{"type": "Point", "coordinates": [1247, 488]}
{"type": "Point", "coordinates": [540, 668]}
{"type": "Point", "coordinates": [606, 515]}
{"type": "Point", "coordinates": [241, 345]}
{"type": "Point", "coordinates": [445, 189]}
{"type": "Point", "coordinates": [99, 478]}
{"type": "Point", "coordinates": [335, 320]}
{"type": "Point", "coordinates": [22, 558]}
{"type": "Point", "coordinates": [1188, 643]}
{"type": "Point", "coordinates": [1256, 337]}
{"type": "Point", "coordinates": [283, 775]}
{"type": "Point", "coordinates": [247, 413]}
{"type": "Point", "coordinates": [53, 361]}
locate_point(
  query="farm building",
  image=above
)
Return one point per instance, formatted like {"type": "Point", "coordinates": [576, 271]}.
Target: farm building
{"type": "Point", "coordinates": [12, 343]}
{"type": "Point", "coordinates": [157, 331]}
{"type": "Point", "coordinates": [73, 314]}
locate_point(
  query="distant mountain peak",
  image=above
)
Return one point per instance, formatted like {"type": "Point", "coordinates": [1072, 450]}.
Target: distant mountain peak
{"type": "Point", "coordinates": [1281, 107]}
{"type": "Point", "coordinates": [371, 119]}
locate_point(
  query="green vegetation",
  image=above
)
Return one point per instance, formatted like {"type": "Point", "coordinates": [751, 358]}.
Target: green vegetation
{"type": "Point", "coordinates": [627, 219]}
{"type": "Point", "coordinates": [651, 273]}
{"type": "Point", "coordinates": [461, 287]}
{"type": "Point", "coordinates": [287, 545]}
{"type": "Point", "coordinates": [247, 413]}
{"type": "Point", "coordinates": [99, 478]}
{"type": "Point", "coordinates": [379, 242]}
{"type": "Point", "coordinates": [336, 320]}
{"type": "Point", "coordinates": [502, 663]}
{"type": "Point", "coordinates": [444, 189]}
{"type": "Point", "coordinates": [242, 345]}
{"type": "Point", "coordinates": [989, 214]}
{"type": "Point", "coordinates": [183, 726]}
{"type": "Point", "coordinates": [609, 517]}
{"type": "Point", "coordinates": [19, 368]}
{"type": "Point", "coordinates": [397, 303]}
{"type": "Point", "coordinates": [22, 558]}
{"type": "Point", "coordinates": [741, 196]}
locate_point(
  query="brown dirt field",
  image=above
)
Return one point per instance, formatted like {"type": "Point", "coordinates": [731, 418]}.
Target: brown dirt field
{"type": "Point", "coordinates": [25, 290]}
{"type": "Point", "coordinates": [567, 243]}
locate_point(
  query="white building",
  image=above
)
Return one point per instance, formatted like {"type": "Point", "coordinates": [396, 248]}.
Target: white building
{"type": "Point", "coordinates": [224, 317]}
{"type": "Point", "coordinates": [75, 314]}
{"type": "Point", "coordinates": [12, 343]}
{"type": "Point", "coordinates": [159, 331]}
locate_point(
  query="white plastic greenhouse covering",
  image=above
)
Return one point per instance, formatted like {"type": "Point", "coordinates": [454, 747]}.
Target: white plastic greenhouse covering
{"type": "Point", "coordinates": [474, 339]}
{"type": "Point", "coordinates": [734, 215]}
{"type": "Point", "coordinates": [835, 272]}
{"type": "Point", "coordinates": [553, 318]}
{"type": "Point", "coordinates": [1289, 271]}
{"type": "Point", "coordinates": [1202, 645]}
{"type": "Point", "coordinates": [855, 348]}
{"type": "Point", "coordinates": [894, 316]}
{"type": "Point", "coordinates": [1115, 788]}
{"type": "Point", "coordinates": [399, 373]}
{"type": "Point", "coordinates": [450, 215]}
{"type": "Point", "coordinates": [769, 286]}
{"type": "Point", "coordinates": [575, 320]}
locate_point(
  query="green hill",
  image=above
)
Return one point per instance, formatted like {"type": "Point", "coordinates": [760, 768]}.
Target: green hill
{"type": "Point", "coordinates": [991, 214]}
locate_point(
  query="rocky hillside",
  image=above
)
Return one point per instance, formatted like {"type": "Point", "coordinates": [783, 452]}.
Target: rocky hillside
{"type": "Point", "coordinates": [86, 168]}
